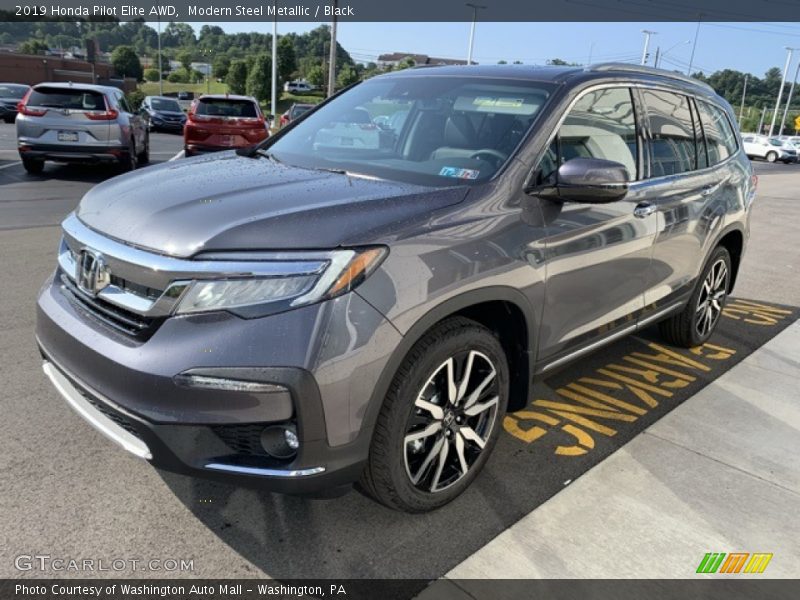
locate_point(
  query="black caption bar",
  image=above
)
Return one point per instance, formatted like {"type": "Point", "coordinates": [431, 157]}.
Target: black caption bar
{"type": "Point", "coordinates": [405, 10]}
{"type": "Point", "coordinates": [389, 589]}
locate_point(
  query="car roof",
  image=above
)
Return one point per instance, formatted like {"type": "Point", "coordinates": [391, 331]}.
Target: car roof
{"type": "Point", "coordinates": [68, 85]}
{"type": "Point", "coordinates": [564, 74]}
{"type": "Point", "coordinates": [226, 97]}
{"type": "Point", "coordinates": [159, 98]}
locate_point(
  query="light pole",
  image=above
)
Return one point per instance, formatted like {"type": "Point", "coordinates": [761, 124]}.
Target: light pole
{"type": "Point", "coordinates": [475, 8]}
{"type": "Point", "coordinates": [273, 104]}
{"type": "Point", "coordinates": [789, 52]}
{"type": "Point", "coordinates": [789, 99]}
{"type": "Point", "coordinates": [694, 47]}
{"type": "Point", "coordinates": [761, 121]}
{"type": "Point", "coordinates": [332, 56]}
{"type": "Point", "coordinates": [160, 70]}
{"type": "Point", "coordinates": [744, 93]}
{"type": "Point", "coordinates": [647, 33]}
{"type": "Point", "coordinates": [660, 55]}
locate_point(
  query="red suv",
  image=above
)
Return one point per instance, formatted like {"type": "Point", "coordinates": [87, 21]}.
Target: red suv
{"type": "Point", "coordinates": [221, 122]}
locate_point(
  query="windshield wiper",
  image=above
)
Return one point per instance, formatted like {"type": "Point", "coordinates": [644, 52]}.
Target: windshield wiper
{"type": "Point", "coordinates": [256, 152]}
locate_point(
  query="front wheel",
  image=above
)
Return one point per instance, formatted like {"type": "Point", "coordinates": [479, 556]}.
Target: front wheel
{"type": "Point", "coordinates": [695, 324]}
{"type": "Point", "coordinates": [441, 418]}
{"type": "Point", "coordinates": [772, 157]}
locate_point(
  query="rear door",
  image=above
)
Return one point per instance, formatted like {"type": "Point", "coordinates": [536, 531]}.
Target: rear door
{"type": "Point", "coordinates": [597, 255]}
{"type": "Point", "coordinates": [686, 184]}
{"type": "Point", "coordinates": [66, 118]}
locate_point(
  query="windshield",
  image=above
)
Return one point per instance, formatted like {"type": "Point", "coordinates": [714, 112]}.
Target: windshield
{"type": "Point", "coordinates": [75, 99]}
{"type": "Point", "coordinates": [226, 107]}
{"type": "Point", "coordinates": [165, 104]}
{"type": "Point", "coordinates": [421, 129]}
{"type": "Point", "coordinates": [12, 91]}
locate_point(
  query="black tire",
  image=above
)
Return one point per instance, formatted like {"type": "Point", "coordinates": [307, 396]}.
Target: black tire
{"type": "Point", "coordinates": [686, 329]}
{"type": "Point", "coordinates": [772, 157]}
{"type": "Point", "coordinates": [33, 166]}
{"type": "Point", "coordinates": [388, 474]}
{"type": "Point", "coordinates": [144, 155]}
{"type": "Point", "coordinates": [10, 119]}
{"type": "Point", "coordinates": [127, 161]}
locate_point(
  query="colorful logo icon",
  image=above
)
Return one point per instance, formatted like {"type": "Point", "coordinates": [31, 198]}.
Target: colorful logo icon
{"type": "Point", "coordinates": [736, 562]}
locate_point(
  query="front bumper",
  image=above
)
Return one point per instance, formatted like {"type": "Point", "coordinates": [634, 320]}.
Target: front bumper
{"type": "Point", "coordinates": [125, 388]}
{"type": "Point", "coordinates": [67, 153]}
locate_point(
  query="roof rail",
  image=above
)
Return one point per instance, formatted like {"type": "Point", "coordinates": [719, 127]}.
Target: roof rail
{"type": "Point", "coordinates": [631, 68]}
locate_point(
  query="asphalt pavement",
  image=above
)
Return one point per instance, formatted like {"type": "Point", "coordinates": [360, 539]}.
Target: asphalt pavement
{"type": "Point", "coordinates": [67, 492]}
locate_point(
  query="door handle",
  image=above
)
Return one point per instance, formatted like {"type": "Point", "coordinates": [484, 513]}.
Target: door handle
{"type": "Point", "coordinates": [710, 189]}
{"type": "Point", "coordinates": [644, 209]}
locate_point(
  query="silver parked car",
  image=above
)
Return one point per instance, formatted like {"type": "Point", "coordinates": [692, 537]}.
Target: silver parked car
{"type": "Point", "coordinates": [69, 122]}
{"type": "Point", "coordinates": [10, 95]}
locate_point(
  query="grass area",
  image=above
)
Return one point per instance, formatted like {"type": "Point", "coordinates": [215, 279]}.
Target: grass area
{"type": "Point", "coordinates": [150, 88]}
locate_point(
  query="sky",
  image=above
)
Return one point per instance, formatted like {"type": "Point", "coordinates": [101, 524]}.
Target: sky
{"type": "Point", "coordinates": [749, 47]}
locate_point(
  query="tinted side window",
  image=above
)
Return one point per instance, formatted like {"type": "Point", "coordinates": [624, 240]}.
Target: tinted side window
{"type": "Point", "coordinates": [720, 138]}
{"type": "Point", "coordinates": [602, 124]}
{"type": "Point", "coordinates": [672, 143]}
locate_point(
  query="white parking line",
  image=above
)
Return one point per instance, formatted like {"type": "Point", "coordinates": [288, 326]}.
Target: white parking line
{"type": "Point", "coordinates": [8, 166]}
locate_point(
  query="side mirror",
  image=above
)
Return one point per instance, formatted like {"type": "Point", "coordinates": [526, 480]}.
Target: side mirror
{"type": "Point", "coordinates": [588, 181]}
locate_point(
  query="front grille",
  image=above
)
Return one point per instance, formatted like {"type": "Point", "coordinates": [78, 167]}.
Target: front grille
{"type": "Point", "coordinates": [242, 439]}
{"type": "Point", "coordinates": [122, 320]}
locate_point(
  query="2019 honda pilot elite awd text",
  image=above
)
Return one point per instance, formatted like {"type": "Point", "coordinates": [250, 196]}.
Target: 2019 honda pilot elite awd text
{"type": "Point", "coordinates": [365, 294]}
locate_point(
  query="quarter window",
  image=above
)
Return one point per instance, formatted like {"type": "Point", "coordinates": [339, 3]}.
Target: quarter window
{"type": "Point", "coordinates": [672, 133]}
{"type": "Point", "coordinates": [720, 138]}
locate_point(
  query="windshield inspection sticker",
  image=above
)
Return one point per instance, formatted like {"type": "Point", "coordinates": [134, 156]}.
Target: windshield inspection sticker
{"type": "Point", "coordinates": [459, 173]}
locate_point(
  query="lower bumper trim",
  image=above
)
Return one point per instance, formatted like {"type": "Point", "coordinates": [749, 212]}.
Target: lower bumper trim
{"type": "Point", "coordinates": [95, 418]}
{"type": "Point", "coordinates": [264, 472]}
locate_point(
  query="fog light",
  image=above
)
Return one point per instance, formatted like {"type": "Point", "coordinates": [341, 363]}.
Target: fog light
{"type": "Point", "coordinates": [280, 441]}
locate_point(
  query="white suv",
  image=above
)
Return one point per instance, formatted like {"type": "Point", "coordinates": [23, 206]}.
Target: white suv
{"type": "Point", "coordinates": [770, 149]}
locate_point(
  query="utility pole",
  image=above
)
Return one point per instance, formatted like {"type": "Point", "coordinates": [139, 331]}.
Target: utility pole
{"type": "Point", "coordinates": [761, 122]}
{"type": "Point", "coordinates": [741, 108]}
{"type": "Point", "coordinates": [160, 70]}
{"type": "Point", "coordinates": [658, 52]}
{"type": "Point", "coordinates": [789, 52]}
{"type": "Point", "coordinates": [332, 59]}
{"type": "Point", "coordinates": [475, 8]}
{"type": "Point", "coordinates": [647, 33]}
{"type": "Point", "coordinates": [273, 104]}
{"type": "Point", "coordinates": [694, 47]}
{"type": "Point", "coordinates": [789, 100]}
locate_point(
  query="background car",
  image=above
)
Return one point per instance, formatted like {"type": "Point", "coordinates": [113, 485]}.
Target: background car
{"type": "Point", "coordinates": [10, 95]}
{"type": "Point", "coordinates": [67, 122]}
{"type": "Point", "coordinates": [770, 149]}
{"type": "Point", "coordinates": [221, 122]}
{"type": "Point", "coordinates": [163, 114]}
{"type": "Point", "coordinates": [298, 87]}
{"type": "Point", "coordinates": [295, 110]}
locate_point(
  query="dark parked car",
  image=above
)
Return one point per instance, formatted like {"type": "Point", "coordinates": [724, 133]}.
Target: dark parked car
{"type": "Point", "coordinates": [10, 95]}
{"type": "Point", "coordinates": [295, 110]}
{"type": "Point", "coordinates": [363, 297]}
{"type": "Point", "coordinates": [163, 114]}
{"type": "Point", "coordinates": [221, 122]}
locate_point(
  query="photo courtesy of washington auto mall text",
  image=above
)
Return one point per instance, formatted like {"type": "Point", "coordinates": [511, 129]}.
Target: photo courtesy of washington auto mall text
{"type": "Point", "coordinates": [419, 300]}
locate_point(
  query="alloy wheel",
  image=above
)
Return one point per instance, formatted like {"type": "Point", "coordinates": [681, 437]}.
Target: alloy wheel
{"type": "Point", "coordinates": [711, 298]}
{"type": "Point", "coordinates": [453, 417]}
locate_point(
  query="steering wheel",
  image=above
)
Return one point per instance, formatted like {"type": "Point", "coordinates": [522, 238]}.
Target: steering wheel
{"type": "Point", "coordinates": [494, 156]}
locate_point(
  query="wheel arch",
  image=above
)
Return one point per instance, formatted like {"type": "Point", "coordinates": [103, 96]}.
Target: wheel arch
{"type": "Point", "coordinates": [732, 239]}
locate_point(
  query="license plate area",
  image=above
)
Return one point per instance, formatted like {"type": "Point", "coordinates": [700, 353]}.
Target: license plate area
{"type": "Point", "coordinates": [67, 136]}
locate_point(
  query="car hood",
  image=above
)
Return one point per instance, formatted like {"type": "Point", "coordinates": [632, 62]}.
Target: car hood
{"type": "Point", "coordinates": [230, 202]}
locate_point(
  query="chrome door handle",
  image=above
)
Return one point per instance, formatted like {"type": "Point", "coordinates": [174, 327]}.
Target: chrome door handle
{"type": "Point", "coordinates": [644, 209]}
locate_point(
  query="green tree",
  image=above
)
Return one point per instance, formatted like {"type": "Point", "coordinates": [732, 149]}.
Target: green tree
{"type": "Point", "coordinates": [406, 63]}
{"type": "Point", "coordinates": [287, 59]}
{"type": "Point", "coordinates": [347, 75]}
{"type": "Point", "coordinates": [151, 74]}
{"type": "Point", "coordinates": [502, 62]}
{"type": "Point", "coordinates": [33, 47]}
{"type": "Point", "coordinates": [185, 57]}
{"type": "Point", "coordinates": [220, 66]}
{"type": "Point", "coordinates": [315, 76]}
{"type": "Point", "coordinates": [126, 63]}
{"type": "Point", "coordinates": [259, 77]}
{"type": "Point", "coordinates": [237, 77]}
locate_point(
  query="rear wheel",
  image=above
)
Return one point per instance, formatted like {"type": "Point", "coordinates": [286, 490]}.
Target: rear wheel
{"type": "Point", "coordinates": [33, 166]}
{"type": "Point", "coordinates": [695, 324]}
{"type": "Point", "coordinates": [772, 157]}
{"type": "Point", "coordinates": [441, 418]}
{"type": "Point", "coordinates": [128, 160]}
{"type": "Point", "coordinates": [144, 155]}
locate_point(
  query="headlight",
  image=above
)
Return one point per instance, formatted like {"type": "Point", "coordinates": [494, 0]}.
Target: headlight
{"type": "Point", "coordinates": [258, 296]}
